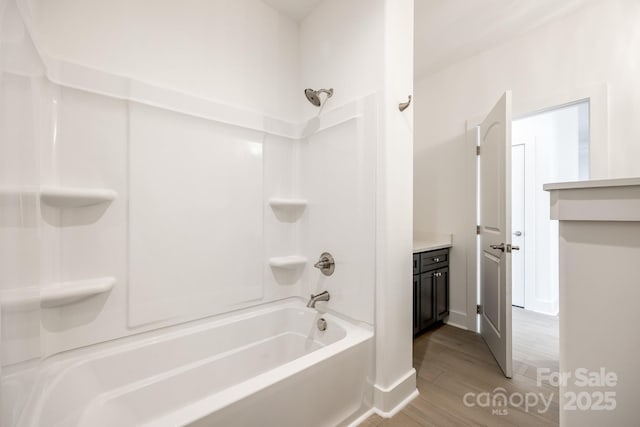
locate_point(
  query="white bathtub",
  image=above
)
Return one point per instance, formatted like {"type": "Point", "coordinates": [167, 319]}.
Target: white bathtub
{"type": "Point", "coordinates": [267, 367]}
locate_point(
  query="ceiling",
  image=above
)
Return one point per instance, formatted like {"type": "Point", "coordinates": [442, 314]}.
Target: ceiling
{"type": "Point", "coordinates": [294, 9]}
{"type": "Point", "coordinates": [447, 31]}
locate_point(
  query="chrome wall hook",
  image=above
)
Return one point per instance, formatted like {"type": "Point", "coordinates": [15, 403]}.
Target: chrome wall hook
{"type": "Point", "coordinates": [404, 105]}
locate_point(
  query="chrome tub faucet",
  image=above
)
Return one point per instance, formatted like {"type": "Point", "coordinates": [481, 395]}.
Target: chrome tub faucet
{"type": "Point", "coordinates": [323, 296]}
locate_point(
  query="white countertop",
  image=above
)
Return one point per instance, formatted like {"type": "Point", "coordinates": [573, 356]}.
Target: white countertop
{"type": "Point", "coordinates": [593, 183]}
{"type": "Point", "coordinates": [431, 241]}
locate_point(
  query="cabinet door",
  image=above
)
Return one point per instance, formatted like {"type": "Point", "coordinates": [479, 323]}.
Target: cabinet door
{"type": "Point", "coordinates": [441, 280]}
{"type": "Point", "coordinates": [427, 303]}
{"type": "Point", "coordinates": [416, 304]}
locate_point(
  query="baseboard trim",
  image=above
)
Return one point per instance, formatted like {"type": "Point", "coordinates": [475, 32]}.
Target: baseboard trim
{"type": "Point", "coordinates": [550, 308]}
{"type": "Point", "coordinates": [457, 319]}
{"type": "Point", "coordinates": [391, 400]}
{"type": "Point", "coordinates": [399, 407]}
{"type": "Point", "coordinates": [362, 418]}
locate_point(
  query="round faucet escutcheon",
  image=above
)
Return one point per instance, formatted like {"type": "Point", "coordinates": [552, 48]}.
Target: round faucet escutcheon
{"type": "Point", "coordinates": [326, 264]}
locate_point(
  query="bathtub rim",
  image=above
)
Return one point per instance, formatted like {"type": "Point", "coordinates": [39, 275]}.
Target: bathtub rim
{"type": "Point", "coordinates": [159, 333]}
{"type": "Point", "coordinates": [53, 369]}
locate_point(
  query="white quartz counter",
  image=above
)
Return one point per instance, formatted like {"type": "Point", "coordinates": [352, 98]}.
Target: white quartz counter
{"type": "Point", "coordinates": [431, 241]}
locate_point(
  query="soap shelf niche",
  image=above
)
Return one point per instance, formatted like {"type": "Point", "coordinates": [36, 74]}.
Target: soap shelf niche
{"type": "Point", "coordinates": [290, 262]}
{"type": "Point", "coordinates": [72, 197]}
{"type": "Point", "coordinates": [71, 292]}
{"type": "Point", "coordinates": [55, 295]}
{"type": "Point", "coordinates": [287, 210]}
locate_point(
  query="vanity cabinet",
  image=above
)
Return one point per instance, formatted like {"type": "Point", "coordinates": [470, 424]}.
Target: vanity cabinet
{"type": "Point", "coordinates": [430, 288]}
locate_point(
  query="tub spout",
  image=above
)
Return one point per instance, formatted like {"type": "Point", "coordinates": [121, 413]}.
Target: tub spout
{"type": "Point", "coordinates": [324, 296]}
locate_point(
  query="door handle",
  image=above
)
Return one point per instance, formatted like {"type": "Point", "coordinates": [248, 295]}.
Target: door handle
{"type": "Point", "coordinates": [502, 247]}
{"type": "Point", "coordinates": [498, 247]}
{"type": "Point", "coordinates": [517, 233]}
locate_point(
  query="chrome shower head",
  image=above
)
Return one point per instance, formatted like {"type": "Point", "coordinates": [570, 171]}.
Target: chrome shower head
{"type": "Point", "coordinates": [314, 95]}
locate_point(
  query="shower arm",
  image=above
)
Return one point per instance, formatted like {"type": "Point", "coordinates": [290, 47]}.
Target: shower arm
{"type": "Point", "coordinates": [328, 92]}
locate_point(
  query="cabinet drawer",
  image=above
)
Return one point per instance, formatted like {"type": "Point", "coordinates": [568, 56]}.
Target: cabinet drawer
{"type": "Point", "coordinates": [433, 259]}
{"type": "Point", "coordinates": [416, 263]}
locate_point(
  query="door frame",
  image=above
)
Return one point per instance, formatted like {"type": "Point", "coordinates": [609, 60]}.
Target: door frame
{"type": "Point", "coordinates": [597, 95]}
{"type": "Point", "coordinates": [523, 246]}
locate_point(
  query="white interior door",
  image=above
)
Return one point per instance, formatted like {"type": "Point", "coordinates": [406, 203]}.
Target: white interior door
{"type": "Point", "coordinates": [495, 232]}
{"type": "Point", "coordinates": [517, 223]}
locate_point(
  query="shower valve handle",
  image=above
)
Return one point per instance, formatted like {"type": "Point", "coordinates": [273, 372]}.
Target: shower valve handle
{"type": "Point", "coordinates": [326, 264]}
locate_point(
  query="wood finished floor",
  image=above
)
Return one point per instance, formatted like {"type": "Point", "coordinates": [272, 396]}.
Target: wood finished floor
{"type": "Point", "coordinates": [451, 362]}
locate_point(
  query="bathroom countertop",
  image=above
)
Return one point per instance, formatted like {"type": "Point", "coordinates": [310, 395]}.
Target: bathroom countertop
{"type": "Point", "coordinates": [431, 241]}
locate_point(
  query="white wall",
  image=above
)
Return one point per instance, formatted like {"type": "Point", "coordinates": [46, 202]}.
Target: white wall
{"type": "Point", "coordinates": [182, 48]}
{"type": "Point", "coordinates": [599, 44]}
{"type": "Point", "coordinates": [340, 46]}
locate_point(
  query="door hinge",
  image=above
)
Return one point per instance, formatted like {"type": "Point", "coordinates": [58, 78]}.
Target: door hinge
{"type": "Point", "coordinates": [477, 229]}
{"type": "Point", "coordinates": [477, 150]}
{"type": "Point", "coordinates": [478, 309]}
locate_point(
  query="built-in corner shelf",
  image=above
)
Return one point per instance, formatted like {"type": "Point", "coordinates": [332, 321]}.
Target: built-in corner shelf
{"type": "Point", "coordinates": [280, 203]}
{"type": "Point", "coordinates": [54, 295]}
{"type": "Point", "coordinates": [287, 210]}
{"type": "Point", "coordinates": [71, 197]}
{"type": "Point", "coordinates": [71, 292]}
{"type": "Point", "coordinates": [290, 262]}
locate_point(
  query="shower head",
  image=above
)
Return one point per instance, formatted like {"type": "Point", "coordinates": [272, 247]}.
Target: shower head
{"type": "Point", "coordinates": [314, 95]}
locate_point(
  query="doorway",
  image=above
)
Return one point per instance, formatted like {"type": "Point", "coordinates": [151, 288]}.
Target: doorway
{"type": "Point", "coordinates": [549, 146]}
{"type": "Point", "coordinates": [514, 159]}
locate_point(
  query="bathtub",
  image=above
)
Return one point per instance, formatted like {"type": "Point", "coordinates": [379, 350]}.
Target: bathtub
{"type": "Point", "coordinates": [269, 366]}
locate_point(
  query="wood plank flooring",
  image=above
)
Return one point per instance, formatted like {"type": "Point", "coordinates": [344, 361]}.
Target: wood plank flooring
{"type": "Point", "coordinates": [452, 362]}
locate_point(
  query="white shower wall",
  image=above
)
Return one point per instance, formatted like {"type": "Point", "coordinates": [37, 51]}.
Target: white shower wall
{"type": "Point", "coordinates": [338, 177]}
{"type": "Point", "coordinates": [191, 231]}
{"type": "Point", "coordinates": [193, 116]}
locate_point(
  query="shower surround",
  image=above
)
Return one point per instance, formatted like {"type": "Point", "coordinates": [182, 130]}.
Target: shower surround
{"type": "Point", "coordinates": [132, 206]}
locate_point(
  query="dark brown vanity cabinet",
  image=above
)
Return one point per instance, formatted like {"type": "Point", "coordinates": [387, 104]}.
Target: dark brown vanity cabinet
{"type": "Point", "coordinates": [430, 288]}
